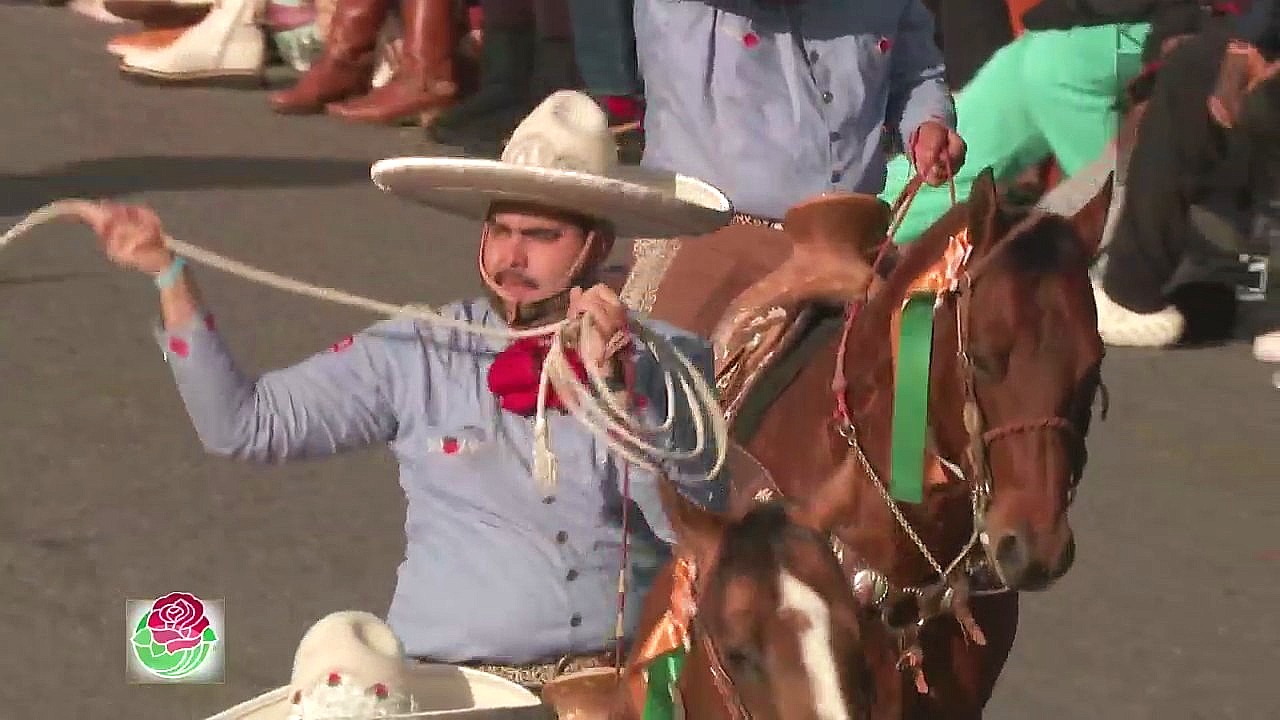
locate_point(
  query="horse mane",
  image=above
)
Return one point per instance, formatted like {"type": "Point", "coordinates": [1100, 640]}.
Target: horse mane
{"type": "Point", "coordinates": [1037, 242]}
{"type": "Point", "coordinates": [1031, 243]}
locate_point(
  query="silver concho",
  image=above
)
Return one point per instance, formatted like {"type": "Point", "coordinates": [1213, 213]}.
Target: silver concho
{"type": "Point", "coordinates": [870, 587]}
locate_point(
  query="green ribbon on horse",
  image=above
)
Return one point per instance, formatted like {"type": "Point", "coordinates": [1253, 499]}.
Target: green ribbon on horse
{"type": "Point", "coordinates": [663, 673]}
{"type": "Point", "coordinates": [911, 399]}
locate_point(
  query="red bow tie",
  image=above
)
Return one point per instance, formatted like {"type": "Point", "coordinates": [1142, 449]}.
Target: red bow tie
{"type": "Point", "coordinates": [515, 372]}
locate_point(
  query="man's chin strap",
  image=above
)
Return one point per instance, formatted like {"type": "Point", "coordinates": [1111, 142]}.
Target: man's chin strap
{"type": "Point", "coordinates": [533, 314]}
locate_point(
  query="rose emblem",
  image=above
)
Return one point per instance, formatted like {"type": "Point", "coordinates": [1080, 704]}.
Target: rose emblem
{"type": "Point", "coordinates": [176, 621]}
{"type": "Point", "coordinates": [174, 637]}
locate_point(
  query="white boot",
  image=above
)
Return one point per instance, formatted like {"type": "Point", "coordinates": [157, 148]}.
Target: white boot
{"type": "Point", "coordinates": [1266, 347]}
{"type": "Point", "coordinates": [1120, 326]}
{"type": "Point", "coordinates": [227, 45]}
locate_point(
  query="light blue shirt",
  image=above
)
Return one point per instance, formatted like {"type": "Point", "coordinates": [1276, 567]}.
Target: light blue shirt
{"type": "Point", "coordinates": [491, 572]}
{"type": "Point", "coordinates": [775, 103]}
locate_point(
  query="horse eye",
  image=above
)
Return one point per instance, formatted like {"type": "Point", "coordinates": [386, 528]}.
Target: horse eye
{"type": "Point", "coordinates": [988, 366]}
{"type": "Point", "coordinates": [740, 660]}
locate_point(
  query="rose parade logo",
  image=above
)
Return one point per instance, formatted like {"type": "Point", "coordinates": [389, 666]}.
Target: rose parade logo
{"type": "Point", "coordinates": [174, 637]}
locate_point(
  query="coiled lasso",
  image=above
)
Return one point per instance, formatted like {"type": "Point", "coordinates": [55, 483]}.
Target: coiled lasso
{"type": "Point", "coordinates": [600, 412]}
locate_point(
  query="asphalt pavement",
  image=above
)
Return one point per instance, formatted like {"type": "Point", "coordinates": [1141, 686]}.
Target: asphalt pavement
{"type": "Point", "coordinates": [106, 495]}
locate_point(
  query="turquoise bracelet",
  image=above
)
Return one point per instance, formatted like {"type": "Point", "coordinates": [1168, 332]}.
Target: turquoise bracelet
{"type": "Point", "coordinates": [166, 279]}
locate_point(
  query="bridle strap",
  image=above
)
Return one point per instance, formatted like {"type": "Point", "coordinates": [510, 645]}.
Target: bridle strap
{"type": "Point", "coordinates": [1046, 423]}
{"type": "Point", "coordinates": [720, 677]}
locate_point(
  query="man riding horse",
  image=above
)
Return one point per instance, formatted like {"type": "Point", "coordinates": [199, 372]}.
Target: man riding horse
{"type": "Point", "coordinates": [496, 574]}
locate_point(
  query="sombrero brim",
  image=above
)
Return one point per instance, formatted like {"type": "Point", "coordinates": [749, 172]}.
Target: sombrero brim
{"type": "Point", "coordinates": [641, 203]}
{"type": "Point", "coordinates": [447, 692]}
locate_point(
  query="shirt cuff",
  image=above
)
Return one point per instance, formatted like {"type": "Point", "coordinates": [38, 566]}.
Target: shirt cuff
{"type": "Point", "coordinates": [941, 112]}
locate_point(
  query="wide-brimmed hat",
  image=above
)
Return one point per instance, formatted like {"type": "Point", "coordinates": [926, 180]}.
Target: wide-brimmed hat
{"type": "Point", "coordinates": [562, 156]}
{"type": "Point", "coordinates": [351, 666]}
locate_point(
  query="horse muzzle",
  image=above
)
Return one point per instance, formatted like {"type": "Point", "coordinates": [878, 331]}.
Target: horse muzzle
{"type": "Point", "coordinates": [1026, 561]}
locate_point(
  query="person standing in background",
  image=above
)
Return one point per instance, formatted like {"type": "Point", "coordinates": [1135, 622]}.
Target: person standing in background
{"type": "Point", "coordinates": [338, 83]}
{"type": "Point", "coordinates": [527, 54]}
{"type": "Point", "coordinates": [604, 42]}
{"type": "Point", "coordinates": [969, 33]}
{"type": "Point", "coordinates": [776, 102]}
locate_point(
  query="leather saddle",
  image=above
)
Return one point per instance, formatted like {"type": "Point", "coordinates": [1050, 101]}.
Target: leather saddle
{"type": "Point", "coordinates": [833, 240]}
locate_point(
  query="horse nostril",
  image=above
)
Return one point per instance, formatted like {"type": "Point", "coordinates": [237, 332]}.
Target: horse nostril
{"type": "Point", "coordinates": [1067, 558]}
{"type": "Point", "coordinates": [1011, 554]}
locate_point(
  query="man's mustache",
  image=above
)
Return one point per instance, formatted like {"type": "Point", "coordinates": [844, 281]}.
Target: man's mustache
{"type": "Point", "coordinates": [511, 276]}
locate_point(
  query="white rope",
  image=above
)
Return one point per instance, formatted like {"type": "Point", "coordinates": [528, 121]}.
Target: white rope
{"type": "Point", "coordinates": [628, 435]}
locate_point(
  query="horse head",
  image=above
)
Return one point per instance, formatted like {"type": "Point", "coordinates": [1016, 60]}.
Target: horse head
{"type": "Point", "coordinates": [1026, 349]}
{"type": "Point", "coordinates": [1013, 373]}
{"type": "Point", "coordinates": [776, 610]}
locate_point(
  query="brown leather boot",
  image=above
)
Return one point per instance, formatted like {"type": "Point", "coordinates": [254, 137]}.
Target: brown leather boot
{"type": "Point", "coordinates": [424, 83]}
{"type": "Point", "coordinates": [346, 64]}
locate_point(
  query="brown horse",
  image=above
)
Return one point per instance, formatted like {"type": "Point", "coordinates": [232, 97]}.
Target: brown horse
{"type": "Point", "coordinates": [775, 617]}
{"type": "Point", "coordinates": [770, 623]}
{"type": "Point", "coordinates": [1015, 367]}
{"type": "Point", "coordinates": [1007, 416]}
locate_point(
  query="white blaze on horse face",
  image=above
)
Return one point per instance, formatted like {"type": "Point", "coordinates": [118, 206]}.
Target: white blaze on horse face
{"type": "Point", "coordinates": [816, 651]}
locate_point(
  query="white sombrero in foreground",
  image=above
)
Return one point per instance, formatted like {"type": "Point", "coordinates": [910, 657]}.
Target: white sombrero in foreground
{"type": "Point", "coordinates": [562, 155]}
{"type": "Point", "coordinates": [351, 666]}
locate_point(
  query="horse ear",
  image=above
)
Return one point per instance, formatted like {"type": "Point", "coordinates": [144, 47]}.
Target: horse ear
{"type": "Point", "coordinates": [1090, 221]}
{"type": "Point", "coordinates": [984, 210]}
{"type": "Point", "coordinates": [698, 531]}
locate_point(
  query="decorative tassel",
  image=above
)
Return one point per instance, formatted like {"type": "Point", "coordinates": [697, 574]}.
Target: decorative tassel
{"type": "Point", "coordinates": [619, 630]}
{"type": "Point", "coordinates": [544, 461]}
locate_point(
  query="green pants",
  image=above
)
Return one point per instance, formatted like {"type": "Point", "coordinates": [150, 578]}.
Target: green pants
{"type": "Point", "coordinates": [1049, 92]}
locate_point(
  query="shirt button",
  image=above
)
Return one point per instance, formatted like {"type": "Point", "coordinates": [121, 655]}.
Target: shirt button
{"type": "Point", "coordinates": [827, 97]}
{"type": "Point", "coordinates": [571, 575]}
{"type": "Point", "coordinates": [835, 177]}
{"type": "Point", "coordinates": [575, 621]}
{"type": "Point", "coordinates": [562, 537]}
{"type": "Point", "coordinates": [834, 137]}
{"type": "Point", "coordinates": [813, 56]}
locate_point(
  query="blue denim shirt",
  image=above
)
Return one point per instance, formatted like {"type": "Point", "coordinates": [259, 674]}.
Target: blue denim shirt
{"type": "Point", "coordinates": [775, 103]}
{"type": "Point", "coordinates": [491, 572]}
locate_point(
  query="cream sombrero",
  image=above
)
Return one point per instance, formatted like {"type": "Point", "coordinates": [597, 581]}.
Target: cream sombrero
{"type": "Point", "coordinates": [351, 666]}
{"type": "Point", "coordinates": [562, 155]}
